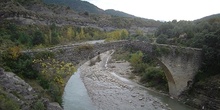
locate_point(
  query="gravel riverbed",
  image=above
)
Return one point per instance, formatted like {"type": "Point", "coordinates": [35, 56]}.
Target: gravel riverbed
{"type": "Point", "coordinates": [109, 90]}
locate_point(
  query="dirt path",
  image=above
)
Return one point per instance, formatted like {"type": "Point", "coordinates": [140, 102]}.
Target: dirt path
{"type": "Point", "coordinates": [109, 91]}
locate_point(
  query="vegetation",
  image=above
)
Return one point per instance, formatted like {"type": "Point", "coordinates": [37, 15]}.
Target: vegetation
{"type": "Point", "coordinates": [42, 36]}
{"type": "Point", "coordinates": [202, 33]}
{"type": "Point", "coordinates": [21, 64]}
{"type": "Point", "coordinates": [144, 66]}
{"type": "Point", "coordinates": [52, 75]}
{"type": "Point", "coordinates": [117, 35]}
{"type": "Point", "coordinates": [6, 103]}
{"type": "Point", "coordinates": [39, 106]}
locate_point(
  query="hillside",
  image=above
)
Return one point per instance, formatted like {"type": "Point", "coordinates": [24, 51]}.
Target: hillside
{"type": "Point", "coordinates": [42, 14]}
{"type": "Point", "coordinates": [207, 18]}
{"type": "Point", "coordinates": [118, 13]}
{"type": "Point", "coordinates": [84, 6]}
{"type": "Point", "coordinates": [77, 5]}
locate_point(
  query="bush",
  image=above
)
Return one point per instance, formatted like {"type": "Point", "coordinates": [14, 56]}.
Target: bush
{"type": "Point", "coordinates": [39, 106]}
{"type": "Point", "coordinates": [21, 65]}
{"type": "Point", "coordinates": [154, 77]}
{"type": "Point", "coordinates": [6, 103]}
{"type": "Point", "coordinates": [44, 55]}
{"type": "Point", "coordinates": [38, 38]}
{"type": "Point", "coordinates": [162, 39]}
{"type": "Point", "coordinates": [85, 47]}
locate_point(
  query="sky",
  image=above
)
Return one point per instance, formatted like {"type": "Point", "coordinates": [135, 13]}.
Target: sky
{"type": "Point", "coordinates": [164, 10]}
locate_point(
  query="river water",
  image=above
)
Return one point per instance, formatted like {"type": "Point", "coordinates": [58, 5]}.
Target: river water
{"type": "Point", "coordinates": [76, 97]}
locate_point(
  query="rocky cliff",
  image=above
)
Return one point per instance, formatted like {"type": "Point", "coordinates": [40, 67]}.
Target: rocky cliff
{"type": "Point", "coordinates": [22, 93]}
{"type": "Point", "coordinates": [37, 13]}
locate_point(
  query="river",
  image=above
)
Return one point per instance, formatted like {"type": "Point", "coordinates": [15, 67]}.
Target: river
{"type": "Point", "coordinates": [94, 94]}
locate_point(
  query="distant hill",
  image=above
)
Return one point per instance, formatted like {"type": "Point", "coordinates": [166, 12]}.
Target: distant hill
{"type": "Point", "coordinates": [84, 6]}
{"type": "Point", "coordinates": [118, 13]}
{"type": "Point", "coordinates": [77, 5]}
{"type": "Point", "coordinates": [214, 16]}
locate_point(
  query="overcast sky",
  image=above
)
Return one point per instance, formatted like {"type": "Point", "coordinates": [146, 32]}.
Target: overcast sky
{"type": "Point", "coordinates": [165, 10]}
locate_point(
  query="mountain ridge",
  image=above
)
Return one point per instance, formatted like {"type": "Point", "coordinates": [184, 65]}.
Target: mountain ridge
{"type": "Point", "coordinates": [84, 6]}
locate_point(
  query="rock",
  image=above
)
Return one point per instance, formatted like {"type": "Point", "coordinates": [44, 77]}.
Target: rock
{"type": "Point", "coordinates": [21, 92]}
{"type": "Point", "coordinates": [133, 95]}
{"type": "Point", "coordinates": [1, 71]}
{"type": "Point", "coordinates": [141, 98]}
{"type": "Point", "coordinates": [53, 106]}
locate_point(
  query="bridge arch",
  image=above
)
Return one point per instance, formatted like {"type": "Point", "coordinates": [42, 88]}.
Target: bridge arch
{"type": "Point", "coordinates": [169, 77]}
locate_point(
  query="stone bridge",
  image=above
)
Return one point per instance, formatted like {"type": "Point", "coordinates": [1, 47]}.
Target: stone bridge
{"type": "Point", "coordinates": [179, 63]}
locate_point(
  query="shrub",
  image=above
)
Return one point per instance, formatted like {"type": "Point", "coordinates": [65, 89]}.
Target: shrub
{"type": "Point", "coordinates": [6, 103]}
{"type": "Point", "coordinates": [51, 76]}
{"type": "Point", "coordinates": [39, 106]}
{"type": "Point", "coordinates": [44, 55]}
{"type": "Point", "coordinates": [162, 39]}
{"type": "Point", "coordinates": [155, 77]}
{"type": "Point", "coordinates": [85, 47]}
{"type": "Point", "coordinates": [20, 64]}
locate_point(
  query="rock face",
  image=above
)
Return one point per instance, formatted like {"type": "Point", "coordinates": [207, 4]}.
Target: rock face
{"type": "Point", "coordinates": [204, 94]}
{"type": "Point", "coordinates": [21, 92]}
{"type": "Point", "coordinates": [41, 14]}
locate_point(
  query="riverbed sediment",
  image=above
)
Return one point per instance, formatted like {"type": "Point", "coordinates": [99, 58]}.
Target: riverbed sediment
{"type": "Point", "coordinates": [109, 91]}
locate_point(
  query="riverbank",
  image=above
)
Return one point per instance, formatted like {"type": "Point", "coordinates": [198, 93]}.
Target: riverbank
{"type": "Point", "coordinates": [110, 91]}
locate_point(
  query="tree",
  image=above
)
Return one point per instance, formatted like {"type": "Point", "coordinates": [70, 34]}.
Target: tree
{"type": "Point", "coordinates": [82, 34]}
{"type": "Point", "coordinates": [70, 33]}
{"type": "Point", "coordinates": [38, 38]}
{"type": "Point", "coordinates": [124, 34]}
{"type": "Point", "coordinates": [136, 58]}
{"type": "Point", "coordinates": [55, 38]}
{"type": "Point", "coordinates": [211, 53]}
{"type": "Point", "coordinates": [162, 39]}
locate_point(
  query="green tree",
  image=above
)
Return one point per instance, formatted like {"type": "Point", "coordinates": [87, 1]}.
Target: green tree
{"type": "Point", "coordinates": [54, 38]}
{"type": "Point", "coordinates": [211, 52]}
{"type": "Point", "coordinates": [38, 38]}
{"type": "Point", "coordinates": [162, 39]}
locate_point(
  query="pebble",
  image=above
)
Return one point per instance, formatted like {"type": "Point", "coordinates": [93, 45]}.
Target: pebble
{"type": "Point", "coordinates": [141, 98]}
{"type": "Point", "coordinates": [133, 95]}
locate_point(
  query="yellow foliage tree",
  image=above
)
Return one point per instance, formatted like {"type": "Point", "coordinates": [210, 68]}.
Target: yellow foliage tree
{"type": "Point", "coordinates": [117, 35]}
{"type": "Point", "coordinates": [69, 33]}
{"type": "Point", "coordinates": [14, 52]}
{"type": "Point", "coordinates": [82, 34]}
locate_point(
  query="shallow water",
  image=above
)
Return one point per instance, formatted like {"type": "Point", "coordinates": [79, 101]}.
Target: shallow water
{"type": "Point", "coordinates": [75, 95]}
